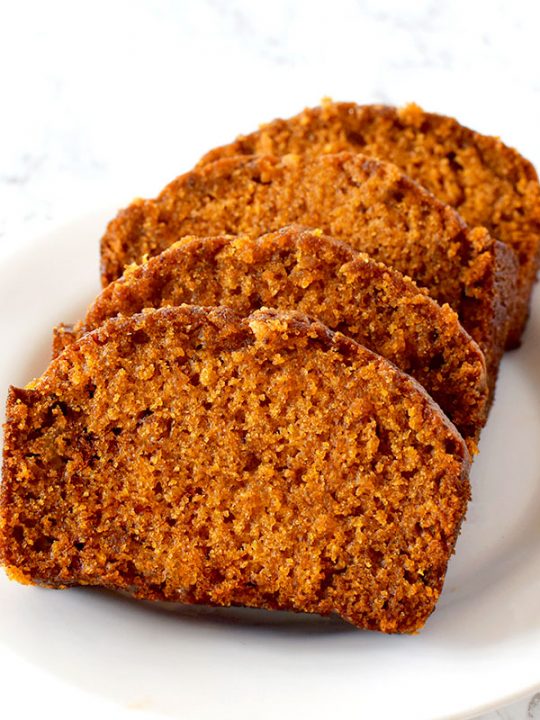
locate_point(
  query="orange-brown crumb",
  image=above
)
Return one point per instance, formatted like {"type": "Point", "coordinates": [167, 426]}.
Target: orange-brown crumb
{"type": "Point", "coordinates": [489, 183]}
{"type": "Point", "coordinates": [190, 455]}
{"type": "Point", "coordinates": [298, 268]}
{"type": "Point", "coordinates": [367, 203]}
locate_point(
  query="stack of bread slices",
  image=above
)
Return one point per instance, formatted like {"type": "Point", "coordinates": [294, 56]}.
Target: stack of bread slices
{"type": "Point", "coordinates": [275, 399]}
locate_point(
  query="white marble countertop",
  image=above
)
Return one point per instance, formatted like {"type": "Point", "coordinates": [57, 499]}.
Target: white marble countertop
{"type": "Point", "coordinates": [107, 100]}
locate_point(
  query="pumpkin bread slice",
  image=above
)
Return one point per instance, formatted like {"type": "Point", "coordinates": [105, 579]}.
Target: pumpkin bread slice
{"type": "Point", "coordinates": [489, 183]}
{"type": "Point", "coordinates": [188, 454]}
{"type": "Point", "coordinates": [298, 268]}
{"type": "Point", "coordinates": [365, 202]}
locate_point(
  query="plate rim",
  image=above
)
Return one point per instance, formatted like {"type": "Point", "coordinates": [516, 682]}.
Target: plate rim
{"type": "Point", "coordinates": [24, 242]}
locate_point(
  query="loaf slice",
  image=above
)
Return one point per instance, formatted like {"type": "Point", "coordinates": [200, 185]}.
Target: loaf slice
{"type": "Point", "coordinates": [489, 183]}
{"type": "Point", "coordinates": [187, 454]}
{"type": "Point", "coordinates": [300, 268]}
{"type": "Point", "coordinates": [367, 203]}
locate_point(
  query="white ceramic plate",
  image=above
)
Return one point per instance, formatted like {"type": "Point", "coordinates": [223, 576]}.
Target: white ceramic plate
{"type": "Point", "coordinates": [106, 654]}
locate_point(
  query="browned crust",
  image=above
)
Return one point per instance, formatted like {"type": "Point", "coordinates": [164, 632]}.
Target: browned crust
{"type": "Point", "coordinates": [53, 533]}
{"type": "Point", "coordinates": [365, 202]}
{"type": "Point", "coordinates": [489, 183]}
{"type": "Point", "coordinates": [298, 268]}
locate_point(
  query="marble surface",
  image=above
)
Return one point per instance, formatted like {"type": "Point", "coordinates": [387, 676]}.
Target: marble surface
{"type": "Point", "coordinates": [104, 101]}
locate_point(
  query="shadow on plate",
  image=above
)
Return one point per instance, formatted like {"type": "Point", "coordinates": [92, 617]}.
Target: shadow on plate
{"type": "Point", "coordinates": [274, 621]}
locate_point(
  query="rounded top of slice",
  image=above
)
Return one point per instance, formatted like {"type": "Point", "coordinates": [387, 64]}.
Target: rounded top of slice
{"type": "Point", "coordinates": [369, 204]}
{"type": "Point", "coordinates": [190, 454]}
{"type": "Point", "coordinates": [489, 183]}
{"type": "Point", "coordinates": [299, 268]}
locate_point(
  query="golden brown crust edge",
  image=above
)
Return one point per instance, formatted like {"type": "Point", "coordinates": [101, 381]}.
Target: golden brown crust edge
{"type": "Point", "coordinates": [270, 329]}
{"type": "Point", "coordinates": [511, 215]}
{"type": "Point", "coordinates": [149, 226]}
{"type": "Point", "coordinates": [299, 268]}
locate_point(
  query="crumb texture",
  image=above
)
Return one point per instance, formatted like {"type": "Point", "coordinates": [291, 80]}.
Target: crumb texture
{"type": "Point", "coordinates": [298, 268]}
{"type": "Point", "coordinates": [489, 183]}
{"type": "Point", "coordinates": [191, 455]}
{"type": "Point", "coordinates": [367, 203]}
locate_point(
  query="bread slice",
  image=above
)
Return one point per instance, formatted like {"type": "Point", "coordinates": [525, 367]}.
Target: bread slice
{"type": "Point", "coordinates": [367, 203]}
{"type": "Point", "coordinates": [298, 268]}
{"type": "Point", "coordinates": [489, 183]}
{"type": "Point", "coordinates": [187, 454]}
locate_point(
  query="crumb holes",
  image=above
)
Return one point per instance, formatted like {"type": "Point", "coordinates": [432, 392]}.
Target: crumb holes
{"type": "Point", "coordinates": [156, 589]}
{"type": "Point", "coordinates": [116, 431]}
{"type": "Point", "coordinates": [327, 578]}
{"type": "Point", "coordinates": [62, 406]}
{"type": "Point", "coordinates": [29, 522]}
{"type": "Point", "coordinates": [437, 362]}
{"type": "Point", "coordinates": [194, 379]}
{"type": "Point", "coordinates": [167, 426]}
{"type": "Point", "coordinates": [48, 420]}
{"type": "Point", "coordinates": [454, 164]}
{"type": "Point", "coordinates": [255, 300]}
{"type": "Point", "coordinates": [90, 389]}
{"type": "Point", "coordinates": [68, 412]}
{"type": "Point", "coordinates": [376, 558]}
{"type": "Point", "coordinates": [141, 417]}
{"type": "Point", "coordinates": [79, 545]}
{"type": "Point", "coordinates": [129, 571]}
{"type": "Point", "coordinates": [398, 196]}
{"type": "Point", "coordinates": [75, 564]}
{"type": "Point", "coordinates": [171, 522]}
{"type": "Point", "coordinates": [385, 445]}
{"type": "Point", "coordinates": [239, 416]}
{"type": "Point", "coordinates": [18, 533]}
{"type": "Point", "coordinates": [99, 339]}
{"type": "Point", "coordinates": [251, 462]}
{"type": "Point", "coordinates": [428, 577]}
{"type": "Point", "coordinates": [356, 139]}
{"type": "Point", "coordinates": [437, 481]}
{"type": "Point", "coordinates": [93, 461]}
{"type": "Point", "coordinates": [43, 544]}
{"type": "Point", "coordinates": [216, 577]}
{"type": "Point", "coordinates": [410, 577]}
{"type": "Point", "coordinates": [140, 337]}
{"type": "Point", "coordinates": [158, 488]}
{"type": "Point", "coordinates": [258, 179]}
{"type": "Point", "coordinates": [451, 447]}
{"type": "Point", "coordinates": [36, 433]}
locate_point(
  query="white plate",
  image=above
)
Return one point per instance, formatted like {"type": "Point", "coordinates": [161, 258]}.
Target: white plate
{"type": "Point", "coordinates": [111, 655]}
